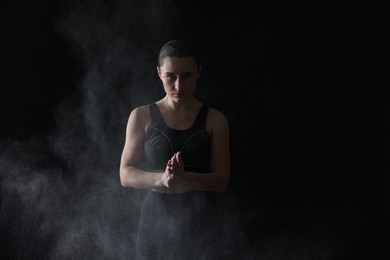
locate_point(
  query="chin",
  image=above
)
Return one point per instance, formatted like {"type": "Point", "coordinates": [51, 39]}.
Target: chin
{"type": "Point", "coordinates": [178, 97]}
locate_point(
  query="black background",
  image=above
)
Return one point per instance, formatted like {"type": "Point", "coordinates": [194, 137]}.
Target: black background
{"type": "Point", "coordinates": [305, 88]}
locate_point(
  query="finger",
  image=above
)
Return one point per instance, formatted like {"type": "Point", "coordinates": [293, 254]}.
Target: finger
{"type": "Point", "coordinates": [179, 158]}
{"type": "Point", "coordinates": [174, 161]}
{"type": "Point", "coordinates": [168, 169]}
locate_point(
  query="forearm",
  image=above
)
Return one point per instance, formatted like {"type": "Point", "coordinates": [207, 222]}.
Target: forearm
{"type": "Point", "coordinates": [213, 181]}
{"type": "Point", "coordinates": [191, 181]}
{"type": "Point", "coordinates": [136, 178]}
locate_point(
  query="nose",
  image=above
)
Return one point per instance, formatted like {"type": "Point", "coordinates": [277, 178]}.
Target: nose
{"type": "Point", "coordinates": [179, 83]}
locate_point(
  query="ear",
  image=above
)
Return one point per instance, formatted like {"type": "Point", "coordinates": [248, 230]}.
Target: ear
{"type": "Point", "coordinates": [159, 72]}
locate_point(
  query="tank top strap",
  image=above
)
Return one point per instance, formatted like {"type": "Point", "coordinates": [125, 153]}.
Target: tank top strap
{"type": "Point", "coordinates": [201, 118]}
{"type": "Point", "coordinates": [155, 115]}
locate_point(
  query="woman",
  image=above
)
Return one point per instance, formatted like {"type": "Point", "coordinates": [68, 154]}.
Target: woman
{"type": "Point", "coordinates": [177, 148]}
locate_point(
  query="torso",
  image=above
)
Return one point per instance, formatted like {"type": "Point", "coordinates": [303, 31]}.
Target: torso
{"type": "Point", "coordinates": [163, 140]}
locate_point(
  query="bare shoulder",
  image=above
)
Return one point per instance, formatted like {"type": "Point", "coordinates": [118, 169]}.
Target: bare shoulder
{"type": "Point", "coordinates": [216, 115]}
{"type": "Point", "coordinates": [140, 111]}
{"type": "Point", "coordinates": [216, 119]}
{"type": "Point", "coordinates": [140, 115]}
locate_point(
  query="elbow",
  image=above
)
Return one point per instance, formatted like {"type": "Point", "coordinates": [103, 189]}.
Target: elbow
{"type": "Point", "coordinates": [223, 185]}
{"type": "Point", "coordinates": [220, 189]}
{"type": "Point", "coordinates": [226, 181]}
{"type": "Point", "coordinates": [123, 180]}
{"type": "Point", "coordinates": [123, 184]}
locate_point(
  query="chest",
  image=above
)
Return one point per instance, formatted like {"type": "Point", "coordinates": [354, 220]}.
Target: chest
{"type": "Point", "coordinates": [179, 120]}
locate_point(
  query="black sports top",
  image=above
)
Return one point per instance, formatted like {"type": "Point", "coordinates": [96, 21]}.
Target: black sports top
{"type": "Point", "coordinates": [161, 142]}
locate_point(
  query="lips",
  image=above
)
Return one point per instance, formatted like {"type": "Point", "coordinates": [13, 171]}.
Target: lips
{"type": "Point", "coordinates": [177, 95]}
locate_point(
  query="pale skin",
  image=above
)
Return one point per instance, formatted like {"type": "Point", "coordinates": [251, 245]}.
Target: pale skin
{"type": "Point", "coordinates": [179, 108]}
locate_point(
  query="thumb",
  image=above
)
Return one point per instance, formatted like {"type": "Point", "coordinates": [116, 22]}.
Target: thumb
{"type": "Point", "coordinates": [178, 157]}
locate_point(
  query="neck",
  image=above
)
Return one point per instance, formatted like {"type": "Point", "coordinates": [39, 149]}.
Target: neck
{"type": "Point", "coordinates": [187, 104]}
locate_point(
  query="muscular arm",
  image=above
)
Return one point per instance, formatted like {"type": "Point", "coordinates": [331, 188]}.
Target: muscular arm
{"type": "Point", "coordinates": [130, 174]}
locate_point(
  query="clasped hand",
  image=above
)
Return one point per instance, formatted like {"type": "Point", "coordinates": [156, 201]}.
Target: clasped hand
{"type": "Point", "coordinates": [174, 171]}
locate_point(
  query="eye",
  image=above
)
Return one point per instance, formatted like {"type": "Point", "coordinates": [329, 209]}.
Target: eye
{"type": "Point", "coordinates": [170, 76]}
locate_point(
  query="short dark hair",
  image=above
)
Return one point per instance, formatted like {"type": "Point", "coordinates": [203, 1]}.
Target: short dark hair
{"type": "Point", "coordinates": [179, 48]}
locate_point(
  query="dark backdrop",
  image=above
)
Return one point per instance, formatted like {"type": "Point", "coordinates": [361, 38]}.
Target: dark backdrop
{"type": "Point", "coordinates": [303, 87]}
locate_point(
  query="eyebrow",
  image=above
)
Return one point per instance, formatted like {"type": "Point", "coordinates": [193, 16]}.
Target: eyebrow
{"type": "Point", "coordinates": [185, 72]}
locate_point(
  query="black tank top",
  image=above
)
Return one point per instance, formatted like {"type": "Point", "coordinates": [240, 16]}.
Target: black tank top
{"type": "Point", "coordinates": [161, 142]}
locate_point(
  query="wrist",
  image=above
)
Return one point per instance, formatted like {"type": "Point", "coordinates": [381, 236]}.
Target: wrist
{"type": "Point", "coordinates": [185, 182]}
{"type": "Point", "coordinates": [158, 181]}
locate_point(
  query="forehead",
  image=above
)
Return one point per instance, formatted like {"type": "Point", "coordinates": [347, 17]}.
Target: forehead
{"type": "Point", "coordinates": [177, 65]}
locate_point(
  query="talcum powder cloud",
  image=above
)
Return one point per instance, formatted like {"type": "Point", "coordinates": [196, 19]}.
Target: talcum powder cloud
{"type": "Point", "coordinates": [60, 194]}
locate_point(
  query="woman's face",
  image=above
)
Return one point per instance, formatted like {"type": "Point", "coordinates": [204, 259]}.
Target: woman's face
{"type": "Point", "coordinates": [179, 76]}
